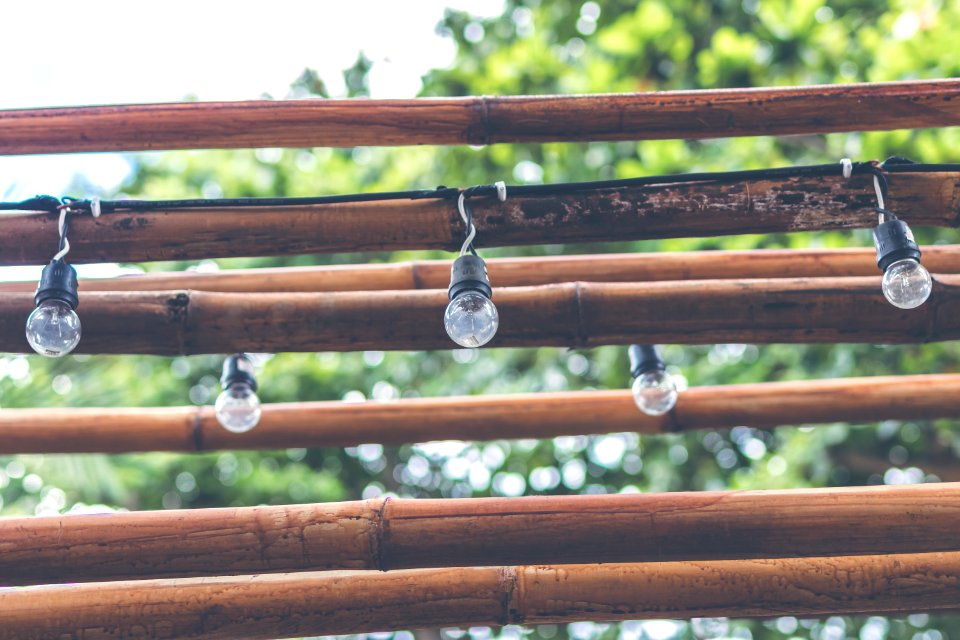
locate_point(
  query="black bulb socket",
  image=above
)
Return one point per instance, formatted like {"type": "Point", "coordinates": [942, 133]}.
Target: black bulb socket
{"type": "Point", "coordinates": [238, 369]}
{"type": "Point", "coordinates": [645, 358]}
{"type": "Point", "coordinates": [469, 273]}
{"type": "Point", "coordinates": [894, 242]}
{"type": "Point", "coordinates": [58, 281]}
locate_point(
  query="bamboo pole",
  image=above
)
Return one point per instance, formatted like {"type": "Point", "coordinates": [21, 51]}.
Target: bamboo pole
{"type": "Point", "coordinates": [606, 215]}
{"type": "Point", "coordinates": [521, 272]}
{"type": "Point", "coordinates": [488, 417]}
{"type": "Point", "coordinates": [390, 534]}
{"type": "Point", "coordinates": [715, 113]}
{"type": "Point", "coordinates": [310, 604]}
{"type": "Point", "coordinates": [813, 310]}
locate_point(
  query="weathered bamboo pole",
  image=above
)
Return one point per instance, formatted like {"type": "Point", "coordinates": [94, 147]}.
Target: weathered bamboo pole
{"type": "Point", "coordinates": [389, 534]}
{"type": "Point", "coordinates": [522, 272]}
{"type": "Point", "coordinates": [310, 604]}
{"type": "Point", "coordinates": [484, 120]}
{"type": "Point", "coordinates": [488, 417]}
{"type": "Point", "coordinates": [571, 315]}
{"type": "Point", "coordinates": [606, 215]}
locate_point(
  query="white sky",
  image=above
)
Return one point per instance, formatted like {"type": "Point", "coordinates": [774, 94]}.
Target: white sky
{"type": "Point", "coordinates": [61, 53]}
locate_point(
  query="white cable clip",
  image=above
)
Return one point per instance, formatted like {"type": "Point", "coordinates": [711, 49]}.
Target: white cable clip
{"type": "Point", "coordinates": [501, 190]}
{"type": "Point", "coordinates": [95, 206]}
{"type": "Point", "coordinates": [847, 165]}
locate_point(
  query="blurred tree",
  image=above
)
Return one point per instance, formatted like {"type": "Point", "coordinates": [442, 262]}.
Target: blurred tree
{"type": "Point", "coordinates": [540, 47]}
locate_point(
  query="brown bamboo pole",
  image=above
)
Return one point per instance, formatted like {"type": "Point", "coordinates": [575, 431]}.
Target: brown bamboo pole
{"type": "Point", "coordinates": [521, 272]}
{"type": "Point", "coordinates": [309, 604]}
{"type": "Point", "coordinates": [715, 113]}
{"type": "Point", "coordinates": [607, 215]}
{"type": "Point", "coordinates": [390, 534]}
{"type": "Point", "coordinates": [572, 315]}
{"type": "Point", "coordinates": [488, 417]}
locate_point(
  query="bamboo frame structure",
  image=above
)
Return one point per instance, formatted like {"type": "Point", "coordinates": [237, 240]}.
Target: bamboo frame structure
{"type": "Point", "coordinates": [488, 417]}
{"type": "Point", "coordinates": [582, 314]}
{"type": "Point", "coordinates": [719, 113]}
{"type": "Point", "coordinates": [392, 534]}
{"type": "Point", "coordinates": [826, 551]}
{"type": "Point", "coordinates": [694, 209]}
{"type": "Point", "coordinates": [310, 604]}
{"type": "Point", "coordinates": [522, 272]}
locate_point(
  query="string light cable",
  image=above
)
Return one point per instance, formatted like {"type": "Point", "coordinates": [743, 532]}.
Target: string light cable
{"type": "Point", "coordinates": [50, 204]}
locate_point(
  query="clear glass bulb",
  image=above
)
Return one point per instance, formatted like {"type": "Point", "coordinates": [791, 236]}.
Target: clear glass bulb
{"type": "Point", "coordinates": [655, 392]}
{"type": "Point", "coordinates": [471, 319]}
{"type": "Point", "coordinates": [906, 284]}
{"type": "Point", "coordinates": [53, 328]}
{"type": "Point", "coordinates": [238, 408]}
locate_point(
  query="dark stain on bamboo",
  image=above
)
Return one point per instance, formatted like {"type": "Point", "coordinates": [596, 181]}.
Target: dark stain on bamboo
{"type": "Point", "coordinates": [196, 429]}
{"type": "Point", "coordinates": [380, 533]}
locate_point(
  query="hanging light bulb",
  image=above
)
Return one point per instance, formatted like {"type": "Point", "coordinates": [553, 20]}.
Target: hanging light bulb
{"type": "Point", "coordinates": [906, 283]}
{"type": "Point", "coordinates": [237, 406]}
{"type": "Point", "coordinates": [53, 328]}
{"type": "Point", "coordinates": [471, 319]}
{"type": "Point", "coordinates": [654, 390]}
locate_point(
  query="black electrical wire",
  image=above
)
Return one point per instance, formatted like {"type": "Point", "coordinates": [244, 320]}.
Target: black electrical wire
{"type": "Point", "coordinates": [52, 205]}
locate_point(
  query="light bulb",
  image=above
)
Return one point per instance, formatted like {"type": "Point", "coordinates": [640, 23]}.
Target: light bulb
{"type": "Point", "coordinates": [471, 319]}
{"type": "Point", "coordinates": [238, 408]}
{"type": "Point", "coordinates": [654, 392]}
{"type": "Point", "coordinates": [53, 328]}
{"type": "Point", "coordinates": [907, 284]}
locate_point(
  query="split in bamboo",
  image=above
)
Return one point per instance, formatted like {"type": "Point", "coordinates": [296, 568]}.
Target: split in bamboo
{"type": "Point", "coordinates": [720, 113]}
{"type": "Point", "coordinates": [489, 417]}
{"type": "Point", "coordinates": [606, 215]}
{"type": "Point", "coordinates": [797, 310]}
{"type": "Point", "coordinates": [522, 272]}
{"type": "Point", "coordinates": [311, 604]}
{"type": "Point", "coordinates": [389, 534]}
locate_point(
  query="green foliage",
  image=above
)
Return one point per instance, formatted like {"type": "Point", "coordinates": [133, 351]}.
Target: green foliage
{"type": "Point", "coordinates": [546, 47]}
